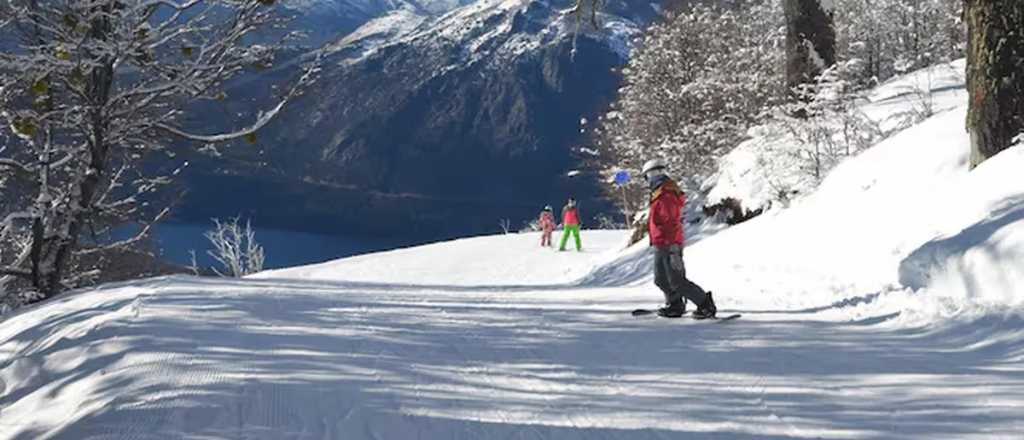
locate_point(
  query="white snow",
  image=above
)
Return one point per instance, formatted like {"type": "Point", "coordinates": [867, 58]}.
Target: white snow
{"type": "Point", "coordinates": [372, 36]}
{"type": "Point", "coordinates": [621, 34]}
{"type": "Point", "coordinates": [482, 28]}
{"type": "Point", "coordinates": [882, 306]}
{"type": "Point", "coordinates": [373, 6]}
{"type": "Point", "coordinates": [766, 164]}
{"type": "Point", "coordinates": [505, 260]}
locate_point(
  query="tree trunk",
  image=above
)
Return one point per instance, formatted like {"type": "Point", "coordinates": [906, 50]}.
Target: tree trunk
{"type": "Point", "coordinates": [810, 41]}
{"type": "Point", "coordinates": [65, 230]}
{"type": "Point", "coordinates": [995, 75]}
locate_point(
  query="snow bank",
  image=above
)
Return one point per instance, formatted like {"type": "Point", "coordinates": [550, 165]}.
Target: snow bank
{"type": "Point", "coordinates": [974, 265]}
{"type": "Point", "coordinates": [902, 229]}
{"type": "Point", "coordinates": [768, 169]}
{"type": "Point", "coordinates": [936, 79]}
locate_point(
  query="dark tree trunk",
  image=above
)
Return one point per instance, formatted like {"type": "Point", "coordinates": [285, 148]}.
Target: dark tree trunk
{"type": "Point", "coordinates": [810, 41]}
{"type": "Point", "coordinates": [58, 248]}
{"type": "Point", "coordinates": [995, 75]}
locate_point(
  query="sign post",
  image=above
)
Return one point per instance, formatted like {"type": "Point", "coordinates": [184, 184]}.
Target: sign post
{"type": "Point", "coordinates": [621, 179]}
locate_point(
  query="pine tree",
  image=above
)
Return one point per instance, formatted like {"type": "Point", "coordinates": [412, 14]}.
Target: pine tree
{"type": "Point", "coordinates": [995, 75]}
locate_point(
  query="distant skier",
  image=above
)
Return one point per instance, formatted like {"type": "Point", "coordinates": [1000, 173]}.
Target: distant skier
{"type": "Point", "coordinates": [571, 225]}
{"type": "Point", "coordinates": [547, 225]}
{"type": "Point", "coordinates": [666, 231]}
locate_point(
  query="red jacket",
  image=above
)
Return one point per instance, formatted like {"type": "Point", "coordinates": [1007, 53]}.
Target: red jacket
{"type": "Point", "coordinates": [547, 221]}
{"type": "Point", "coordinates": [664, 219]}
{"type": "Point", "coordinates": [570, 216]}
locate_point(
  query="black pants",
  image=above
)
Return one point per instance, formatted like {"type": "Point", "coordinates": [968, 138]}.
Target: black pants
{"type": "Point", "coordinates": [670, 277]}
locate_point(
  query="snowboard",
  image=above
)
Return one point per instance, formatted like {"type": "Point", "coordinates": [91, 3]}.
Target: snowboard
{"type": "Point", "coordinates": [645, 312]}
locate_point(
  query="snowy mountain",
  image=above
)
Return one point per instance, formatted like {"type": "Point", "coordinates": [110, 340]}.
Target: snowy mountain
{"type": "Point", "coordinates": [885, 304]}
{"type": "Point", "coordinates": [372, 7]}
{"type": "Point", "coordinates": [327, 20]}
{"type": "Point", "coordinates": [443, 122]}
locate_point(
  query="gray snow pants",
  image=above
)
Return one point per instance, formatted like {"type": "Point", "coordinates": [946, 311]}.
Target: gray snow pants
{"type": "Point", "coordinates": [670, 276]}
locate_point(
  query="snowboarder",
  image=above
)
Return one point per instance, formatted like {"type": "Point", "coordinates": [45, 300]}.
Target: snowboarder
{"type": "Point", "coordinates": [571, 225]}
{"type": "Point", "coordinates": [547, 226]}
{"type": "Point", "coordinates": [666, 232]}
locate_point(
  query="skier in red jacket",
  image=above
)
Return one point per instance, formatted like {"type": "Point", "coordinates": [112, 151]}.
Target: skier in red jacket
{"type": "Point", "coordinates": [666, 230]}
{"type": "Point", "coordinates": [547, 225]}
{"type": "Point", "coordinates": [571, 225]}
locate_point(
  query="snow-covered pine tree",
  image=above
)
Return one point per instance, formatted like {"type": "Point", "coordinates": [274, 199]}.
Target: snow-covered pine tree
{"type": "Point", "coordinates": [995, 75]}
{"type": "Point", "coordinates": [93, 96]}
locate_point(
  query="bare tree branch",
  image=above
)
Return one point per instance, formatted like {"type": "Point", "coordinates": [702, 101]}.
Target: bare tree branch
{"type": "Point", "coordinates": [11, 163]}
{"type": "Point", "coordinates": [91, 94]}
{"type": "Point", "coordinates": [261, 120]}
{"type": "Point", "coordinates": [14, 271]}
{"type": "Point", "coordinates": [141, 235]}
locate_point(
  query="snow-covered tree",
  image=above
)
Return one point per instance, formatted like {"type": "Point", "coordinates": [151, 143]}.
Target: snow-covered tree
{"type": "Point", "coordinates": [698, 81]}
{"type": "Point", "coordinates": [95, 96]}
{"type": "Point", "coordinates": [827, 124]}
{"type": "Point", "coordinates": [692, 87]}
{"type": "Point", "coordinates": [995, 75]}
{"type": "Point", "coordinates": [891, 37]}
{"type": "Point", "coordinates": [235, 248]}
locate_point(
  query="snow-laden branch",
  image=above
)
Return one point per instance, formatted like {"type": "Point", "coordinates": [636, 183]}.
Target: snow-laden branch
{"type": "Point", "coordinates": [15, 271]}
{"type": "Point", "coordinates": [177, 7]}
{"type": "Point", "coordinates": [11, 163]}
{"type": "Point", "coordinates": [262, 119]}
{"type": "Point", "coordinates": [235, 248]}
{"type": "Point", "coordinates": [122, 244]}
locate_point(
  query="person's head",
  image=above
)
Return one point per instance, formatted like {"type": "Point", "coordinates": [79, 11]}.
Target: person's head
{"type": "Point", "coordinates": [654, 168]}
{"type": "Point", "coordinates": [548, 208]}
{"type": "Point", "coordinates": [572, 202]}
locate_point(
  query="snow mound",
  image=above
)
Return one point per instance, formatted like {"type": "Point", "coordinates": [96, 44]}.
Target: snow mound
{"type": "Point", "coordinates": [973, 264]}
{"type": "Point", "coordinates": [936, 79]}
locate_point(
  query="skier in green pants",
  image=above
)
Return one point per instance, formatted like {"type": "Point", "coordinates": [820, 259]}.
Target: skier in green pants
{"type": "Point", "coordinates": [571, 225]}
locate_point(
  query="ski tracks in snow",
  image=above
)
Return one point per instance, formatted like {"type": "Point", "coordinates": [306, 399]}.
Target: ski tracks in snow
{"type": "Point", "coordinates": [259, 360]}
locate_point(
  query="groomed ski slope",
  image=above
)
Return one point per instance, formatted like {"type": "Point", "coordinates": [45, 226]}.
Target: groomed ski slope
{"type": "Point", "coordinates": [884, 306]}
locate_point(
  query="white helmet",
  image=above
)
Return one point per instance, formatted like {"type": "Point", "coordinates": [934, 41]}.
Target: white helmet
{"type": "Point", "coordinates": [654, 165]}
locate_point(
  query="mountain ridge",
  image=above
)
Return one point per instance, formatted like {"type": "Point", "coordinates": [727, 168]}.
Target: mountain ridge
{"type": "Point", "coordinates": [483, 102]}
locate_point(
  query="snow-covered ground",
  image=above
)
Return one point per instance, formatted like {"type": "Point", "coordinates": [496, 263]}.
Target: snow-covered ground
{"type": "Point", "coordinates": [883, 306]}
{"type": "Point", "coordinates": [773, 161]}
{"type": "Point", "coordinates": [471, 261]}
